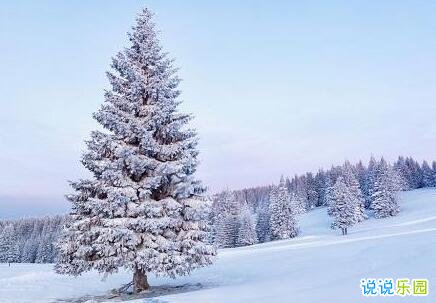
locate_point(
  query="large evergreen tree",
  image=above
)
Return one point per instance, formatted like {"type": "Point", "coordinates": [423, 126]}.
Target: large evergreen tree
{"type": "Point", "coordinates": [142, 209]}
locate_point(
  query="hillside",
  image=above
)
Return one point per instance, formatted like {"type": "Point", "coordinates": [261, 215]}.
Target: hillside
{"type": "Point", "coordinates": [318, 266]}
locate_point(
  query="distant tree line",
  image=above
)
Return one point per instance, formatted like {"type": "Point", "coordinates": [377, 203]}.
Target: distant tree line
{"type": "Point", "coordinates": [29, 240]}
{"type": "Point", "coordinates": [350, 192]}
{"type": "Point", "coordinates": [265, 213]}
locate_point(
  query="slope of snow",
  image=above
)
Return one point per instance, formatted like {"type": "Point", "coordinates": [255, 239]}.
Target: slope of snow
{"type": "Point", "coordinates": [318, 266]}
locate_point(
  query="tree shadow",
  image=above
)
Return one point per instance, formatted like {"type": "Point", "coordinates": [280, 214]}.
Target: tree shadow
{"type": "Point", "coordinates": [153, 293]}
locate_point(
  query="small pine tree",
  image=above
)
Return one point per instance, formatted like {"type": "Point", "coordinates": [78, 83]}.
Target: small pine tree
{"type": "Point", "coordinates": [342, 206]}
{"type": "Point", "coordinates": [402, 170]}
{"type": "Point", "coordinates": [353, 186]}
{"type": "Point", "coordinates": [283, 224]}
{"type": "Point", "coordinates": [296, 204]}
{"type": "Point", "coordinates": [433, 168]}
{"type": "Point", "coordinates": [9, 246]}
{"type": "Point", "coordinates": [360, 173]}
{"type": "Point", "coordinates": [320, 186]}
{"type": "Point", "coordinates": [45, 252]}
{"type": "Point", "coordinates": [301, 190]}
{"type": "Point", "coordinates": [263, 220]}
{"type": "Point", "coordinates": [311, 190]}
{"type": "Point", "coordinates": [247, 228]}
{"type": "Point", "coordinates": [384, 193]}
{"type": "Point", "coordinates": [29, 251]}
{"type": "Point", "coordinates": [226, 231]}
{"type": "Point", "coordinates": [369, 181]}
{"type": "Point", "coordinates": [226, 221]}
{"type": "Point", "coordinates": [412, 173]}
{"type": "Point", "coordinates": [427, 175]}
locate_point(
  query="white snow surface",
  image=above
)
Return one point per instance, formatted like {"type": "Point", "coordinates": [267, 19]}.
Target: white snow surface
{"type": "Point", "coordinates": [319, 265]}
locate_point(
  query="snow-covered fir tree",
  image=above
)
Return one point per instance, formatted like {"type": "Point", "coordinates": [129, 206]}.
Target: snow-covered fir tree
{"type": "Point", "coordinates": [387, 183]}
{"type": "Point", "coordinates": [226, 219]}
{"type": "Point", "coordinates": [9, 246]}
{"type": "Point", "coordinates": [433, 168]}
{"type": "Point", "coordinates": [410, 171]}
{"type": "Point", "coordinates": [329, 181]}
{"type": "Point", "coordinates": [360, 174]}
{"type": "Point", "coordinates": [311, 190]}
{"type": "Point", "coordinates": [226, 231]}
{"type": "Point", "coordinates": [342, 206]}
{"type": "Point", "coordinates": [45, 249]}
{"type": "Point", "coordinates": [403, 171]}
{"type": "Point", "coordinates": [321, 187]}
{"type": "Point", "coordinates": [296, 204]}
{"type": "Point", "coordinates": [300, 189]}
{"type": "Point", "coordinates": [247, 228]}
{"type": "Point", "coordinates": [349, 177]}
{"type": "Point", "coordinates": [427, 175]}
{"type": "Point", "coordinates": [369, 181]}
{"type": "Point", "coordinates": [30, 251]}
{"type": "Point", "coordinates": [283, 223]}
{"type": "Point", "coordinates": [142, 210]}
{"type": "Point", "coordinates": [263, 220]}
{"type": "Point", "coordinates": [31, 235]}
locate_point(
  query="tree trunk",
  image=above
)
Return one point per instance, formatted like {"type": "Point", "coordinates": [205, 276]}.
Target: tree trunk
{"type": "Point", "coordinates": [343, 231]}
{"type": "Point", "coordinates": [140, 281]}
{"type": "Point", "coordinates": [346, 231]}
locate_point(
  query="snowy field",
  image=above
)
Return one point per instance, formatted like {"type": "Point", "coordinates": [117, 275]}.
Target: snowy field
{"type": "Point", "coordinates": [318, 266]}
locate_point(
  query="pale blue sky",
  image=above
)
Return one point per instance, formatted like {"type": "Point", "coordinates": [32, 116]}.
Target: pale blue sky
{"type": "Point", "coordinates": [278, 87]}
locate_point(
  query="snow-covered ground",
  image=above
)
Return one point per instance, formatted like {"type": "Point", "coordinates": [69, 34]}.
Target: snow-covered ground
{"type": "Point", "coordinates": [318, 266]}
